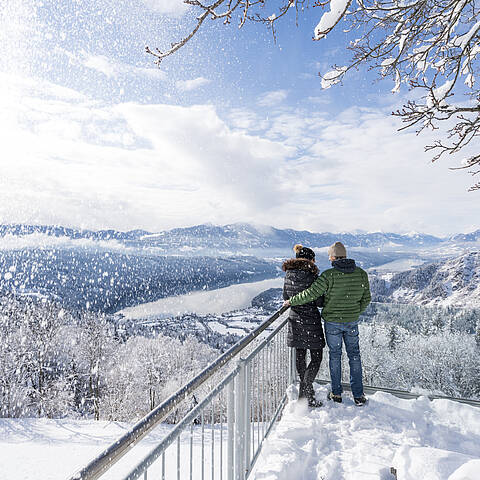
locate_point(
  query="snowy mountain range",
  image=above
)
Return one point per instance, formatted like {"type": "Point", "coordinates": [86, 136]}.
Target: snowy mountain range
{"type": "Point", "coordinates": [235, 236]}
{"type": "Point", "coordinates": [109, 270]}
{"type": "Point", "coordinates": [452, 282]}
{"type": "Point", "coordinates": [249, 236]}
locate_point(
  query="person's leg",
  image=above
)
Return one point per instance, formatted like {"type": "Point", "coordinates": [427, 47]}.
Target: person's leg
{"type": "Point", "coordinates": [314, 365]}
{"type": "Point", "coordinates": [333, 335]}
{"type": "Point", "coordinates": [353, 351]}
{"type": "Point", "coordinates": [301, 364]}
{"type": "Point", "coordinates": [310, 374]}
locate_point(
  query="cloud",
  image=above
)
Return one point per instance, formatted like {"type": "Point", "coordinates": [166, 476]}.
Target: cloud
{"type": "Point", "coordinates": [231, 171]}
{"type": "Point", "coordinates": [188, 85]}
{"type": "Point", "coordinates": [174, 8]}
{"type": "Point", "coordinates": [112, 68]}
{"type": "Point", "coordinates": [320, 100]}
{"type": "Point", "coordinates": [272, 99]}
{"type": "Point", "coordinates": [246, 119]}
{"type": "Point", "coordinates": [102, 64]}
{"type": "Point", "coordinates": [128, 166]}
{"type": "Point", "coordinates": [371, 176]}
{"type": "Point", "coordinates": [69, 160]}
{"type": "Point", "coordinates": [356, 171]}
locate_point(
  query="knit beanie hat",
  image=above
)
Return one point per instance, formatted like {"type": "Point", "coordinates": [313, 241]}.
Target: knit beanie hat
{"type": "Point", "coordinates": [337, 250]}
{"type": "Point", "coordinates": [304, 252]}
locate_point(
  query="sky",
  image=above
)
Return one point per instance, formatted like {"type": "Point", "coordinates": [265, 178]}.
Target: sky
{"type": "Point", "coordinates": [234, 127]}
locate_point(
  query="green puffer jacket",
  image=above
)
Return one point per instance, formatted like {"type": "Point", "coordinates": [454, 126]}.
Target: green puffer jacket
{"type": "Point", "coordinates": [346, 290]}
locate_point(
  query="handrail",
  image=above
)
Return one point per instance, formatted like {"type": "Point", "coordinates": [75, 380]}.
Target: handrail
{"type": "Point", "coordinates": [195, 412]}
{"type": "Point", "coordinates": [118, 449]}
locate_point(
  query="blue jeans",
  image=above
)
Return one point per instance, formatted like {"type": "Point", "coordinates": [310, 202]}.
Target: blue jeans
{"type": "Point", "coordinates": [348, 332]}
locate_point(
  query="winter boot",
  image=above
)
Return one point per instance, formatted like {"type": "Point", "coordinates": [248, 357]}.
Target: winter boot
{"type": "Point", "coordinates": [335, 398]}
{"type": "Point", "coordinates": [360, 401]}
{"type": "Point", "coordinates": [310, 394]}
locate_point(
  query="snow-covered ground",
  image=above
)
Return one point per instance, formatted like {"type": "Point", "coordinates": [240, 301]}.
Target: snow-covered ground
{"type": "Point", "coordinates": [43, 449]}
{"type": "Point", "coordinates": [216, 301]}
{"type": "Point", "coordinates": [224, 330]}
{"type": "Point", "coordinates": [421, 439]}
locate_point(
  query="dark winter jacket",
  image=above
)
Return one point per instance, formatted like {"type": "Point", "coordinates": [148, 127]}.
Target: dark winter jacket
{"type": "Point", "coordinates": [305, 323]}
{"type": "Point", "coordinates": [346, 290]}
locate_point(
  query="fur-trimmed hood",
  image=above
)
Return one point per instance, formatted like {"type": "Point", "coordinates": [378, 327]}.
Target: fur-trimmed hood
{"type": "Point", "coordinates": [300, 264]}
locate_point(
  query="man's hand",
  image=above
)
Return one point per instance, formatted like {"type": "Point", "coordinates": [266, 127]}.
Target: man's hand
{"type": "Point", "coordinates": [286, 303]}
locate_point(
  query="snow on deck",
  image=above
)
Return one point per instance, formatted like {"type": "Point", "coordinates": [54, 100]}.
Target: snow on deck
{"type": "Point", "coordinates": [422, 439]}
{"type": "Point", "coordinates": [45, 449]}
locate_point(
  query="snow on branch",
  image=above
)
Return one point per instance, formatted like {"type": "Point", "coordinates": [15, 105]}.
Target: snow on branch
{"type": "Point", "coordinates": [338, 9]}
{"type": "Point", "coordinates": [333, 77]}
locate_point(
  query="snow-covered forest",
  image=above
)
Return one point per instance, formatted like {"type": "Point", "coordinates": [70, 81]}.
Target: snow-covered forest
{"type": "Point", "coordinates": [59, 363]}
{"type": "Point", "coordinates": [438, 361]}
{"type": "Point", "coordinates": [56, 364]}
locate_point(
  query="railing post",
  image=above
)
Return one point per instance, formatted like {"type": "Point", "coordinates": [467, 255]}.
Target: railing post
{"type": "Point", "coordinates": [240, 422]}
{"type": "Point", "coordinates": [248, 409]}
{"type": "Point", "coordinates": [230, 430]}
{"type": "Point", "coordinates": [292, 371]}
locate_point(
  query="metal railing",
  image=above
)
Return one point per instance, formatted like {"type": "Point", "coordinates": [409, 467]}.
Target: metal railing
{"type": "Point", "coordinates": [404, 394]}
{"type": "Point", "coordinates": [222, 435]}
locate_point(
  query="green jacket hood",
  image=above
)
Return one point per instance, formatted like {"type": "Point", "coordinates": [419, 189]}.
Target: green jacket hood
{"type": "Point", "coordinates": [345, 265]}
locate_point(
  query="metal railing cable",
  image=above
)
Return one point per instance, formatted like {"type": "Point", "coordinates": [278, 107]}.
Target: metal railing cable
{"type": "Point", "coordinates": [404, 394]}
{"type": "Point", "coordinates": [112, 454]}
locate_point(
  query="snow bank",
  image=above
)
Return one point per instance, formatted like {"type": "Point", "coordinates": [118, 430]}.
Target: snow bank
{"type": "Point", "coordinates": [438, 440]}
{"type": "Point", "coordinates": [43, 449]}
{"type": "Point", "coordinates": [427, 463]}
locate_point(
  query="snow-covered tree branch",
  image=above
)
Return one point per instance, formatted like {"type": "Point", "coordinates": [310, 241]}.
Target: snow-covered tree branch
{"type": "Point", "coordinates": [430, 46]}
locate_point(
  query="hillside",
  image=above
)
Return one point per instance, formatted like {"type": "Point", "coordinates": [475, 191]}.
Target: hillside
{"type": "Point", "coordinates": [452, 282]}
{"type": "Point", "coordinates": [108, 280]}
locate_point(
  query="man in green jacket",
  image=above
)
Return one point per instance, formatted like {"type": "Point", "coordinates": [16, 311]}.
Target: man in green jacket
{"type": "Point", "coordinates": [347, 294]}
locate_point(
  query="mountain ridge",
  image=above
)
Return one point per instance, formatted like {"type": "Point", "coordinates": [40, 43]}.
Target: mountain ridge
{"type": "Point", "coordinates": [236, 235]}
{"type": "Point", "coordinates": [451, 282]}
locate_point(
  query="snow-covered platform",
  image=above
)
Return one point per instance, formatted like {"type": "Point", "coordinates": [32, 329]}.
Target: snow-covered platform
{"type": "Point", "coordinates": [44, 449]}
{"type": "Point", "coordinates": [421, 439]}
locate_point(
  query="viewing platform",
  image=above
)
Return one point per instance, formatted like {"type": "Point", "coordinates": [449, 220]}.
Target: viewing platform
{"type": "Point", "coordinates": [240, 419]}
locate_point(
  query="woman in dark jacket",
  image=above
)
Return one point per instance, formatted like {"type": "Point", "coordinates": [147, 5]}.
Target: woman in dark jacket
{"type": "Point", "coordinates": [304, 322]}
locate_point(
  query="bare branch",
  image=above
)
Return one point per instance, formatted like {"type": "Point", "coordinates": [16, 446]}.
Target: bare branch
{"type": "Point", "coordinates": [430, 46]}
